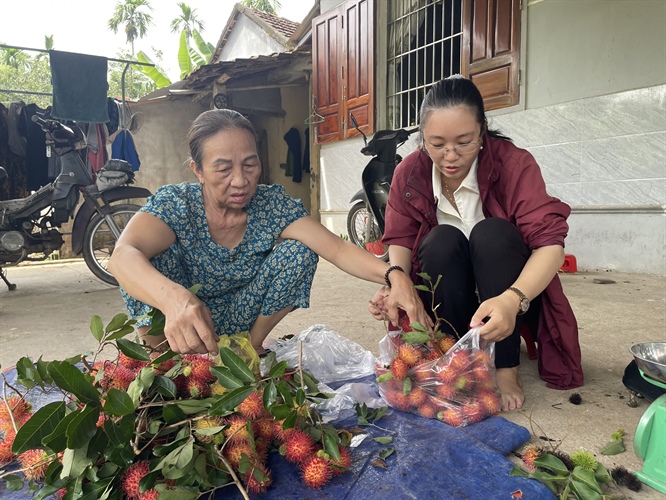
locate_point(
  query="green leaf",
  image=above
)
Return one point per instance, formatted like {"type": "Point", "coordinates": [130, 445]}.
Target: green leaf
{"type": "Point", "coordinates": [384, 377]}
{"type": "Point", "coordinates": [284, 389]}
{"type": "Point", "coordinates": [14, 482]}
{"type": "Point", "coordinates": [378, 413]}
{"type": "Point", "coordinates": [300, 397]}
{"type": "Point", "coordinates": [152, 72]}
{"type": "Point", "coordinates": [237, 366]}
{"type": "Point", "coordinates": [74, 462]}
{"type": "Point", "coordinates": [163, 357]}
{"type": "Point", "coordinates": [613, 448]}
{"type": "Point", "coordinates": [97, 327]}
{"type": "Point", "coordinates": [190, 406]}
{"type": "Point", "coordinates": [70, 379]}
{"type": "Point", "coordinates": [331, 446]}
{"type": "Point", "coordinates": [290, 421]}
{"type": "Point", "coordinates": [415, 337]}
{"type": "Point", "coordinates": [120, 433]}
{"type": "Point", "coordinates": [229, 401]}
{"type": "Point", "coordinates": [424, 276]}
{"type": "Point", "coordinates": [167, 492]}
{"type": "Point", "coordinates": [586, 477]}
{"type": "Point", "coordinates": [406, 386]}
{"type": "Point", "coordinates": [203, 46]}
{"type": "Point", "coordinates": [165, 386]}
{"type": "Point", "coordinates": [196, 58]}
{"type": "Point", "coordinates": [225, 378]}
{"type": "Point", "coordinates": [209, 431]}
{"type": "Point", "coordinates": [132, 350]}
{"type": "Point", "coordinates": [141, 384]}
{"type": "Point", "coordinates": [95, 491]}
{"type": "Point", "coordinates": [270, 395]}
{"type": "Point", "coordinates": [116, 323]}
{"type": "Point", "coordinates": [383, 439]}
{"type": "Point", "coordinates": [27, 374]}
{"type": "Point", "coordinates": [82, 428]}
{"type": "Point", "coordinates": [280, 412]}
{"type": "Point", "coordinates": [517, 471]}
{"type": "Point", "coordinates": [57, 440]}
{"type": "Point", "coordinates": [552, 463]}
{"type": "Point", "coordinates": [184, 61]}
{"type": "Point", "coordinates": [172, 414]}
{"type": "Point", "coordinates": [41, 424]}
{"type": "Point", "coordinates": [125, 330]}
{"type": "Point", "coordinates": [602, 475]}
{"type": "Point", "coordinates": [386, 452]}
{"type": "Point", "coordinates": [97, 445]}
{"type": "Point", "coordinates": [584, 492]}
{"type": "Point", "coordinates": [118, 403]}
{"type": "Point", "coordinates": [423, 288]}
{"type": "Point", "coordinates": [278, 370]}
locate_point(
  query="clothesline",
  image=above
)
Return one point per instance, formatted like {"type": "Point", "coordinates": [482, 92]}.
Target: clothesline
{"type": "Point", "coordinates": [46, 51]}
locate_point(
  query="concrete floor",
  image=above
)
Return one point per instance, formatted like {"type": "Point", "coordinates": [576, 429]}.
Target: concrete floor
{"type": "Point", "coordinates": [49, 313]}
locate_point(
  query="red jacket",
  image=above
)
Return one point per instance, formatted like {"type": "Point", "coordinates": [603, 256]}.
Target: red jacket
{"type": "Point", "coordinates": [512, 188]}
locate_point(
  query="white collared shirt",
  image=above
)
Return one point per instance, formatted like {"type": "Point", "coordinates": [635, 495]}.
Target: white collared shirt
{"type": "Point", "coordinates": [467, 198]}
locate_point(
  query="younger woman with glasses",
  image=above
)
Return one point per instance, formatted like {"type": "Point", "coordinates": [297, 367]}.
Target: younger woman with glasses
{"type": "Point", "coordinates": [470, 206]}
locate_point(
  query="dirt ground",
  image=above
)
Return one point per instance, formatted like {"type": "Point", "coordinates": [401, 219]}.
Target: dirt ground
{"type": "Point", "coordinates": [49, 313]}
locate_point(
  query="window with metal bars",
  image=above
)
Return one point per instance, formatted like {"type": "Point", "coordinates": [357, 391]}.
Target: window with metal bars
{"type": "Point", "coordinates": [425, 44]}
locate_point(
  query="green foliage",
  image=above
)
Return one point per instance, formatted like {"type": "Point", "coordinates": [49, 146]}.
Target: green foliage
{"type": "Point", "coordinates": [100, 427]}
{"type": "Point", "coordinates": [34, 76]}
{"type": "Point", "coordinates": [134, 17]}
{"type": "Point", "coordinates": [268, 6]}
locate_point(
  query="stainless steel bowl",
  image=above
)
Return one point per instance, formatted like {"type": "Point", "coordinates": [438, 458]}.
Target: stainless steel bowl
{"type": "Point", "coordinates": [651, 359]}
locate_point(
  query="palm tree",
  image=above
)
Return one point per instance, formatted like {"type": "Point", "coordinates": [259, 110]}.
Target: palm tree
{"type": "Point", "coordinates": [132, 14]}
{"type": "Point", "coordinates": [268, 6]}
{"type": "Point", "coordinates": [15, 58]}
{"type": "Point", "coordinates": [187, 19]}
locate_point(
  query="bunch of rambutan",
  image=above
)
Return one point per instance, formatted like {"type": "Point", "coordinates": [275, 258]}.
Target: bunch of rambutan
{"type": "Point", "coordinates": [454, 382]}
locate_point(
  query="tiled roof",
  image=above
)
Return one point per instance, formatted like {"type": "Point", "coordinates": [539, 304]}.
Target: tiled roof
{"type": "Point", "coordinates": [283, 26]}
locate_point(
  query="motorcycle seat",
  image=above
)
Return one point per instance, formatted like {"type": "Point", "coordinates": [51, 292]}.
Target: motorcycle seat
{"type": "Point", "coordinates": [13, 207]}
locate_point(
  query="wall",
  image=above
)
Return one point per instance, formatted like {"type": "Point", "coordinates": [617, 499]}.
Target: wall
{"type": "Point", "coordinates": [595, 120]}
{"type": "Point", "coordinates": [246, 40]}
{"type": "Point", "coordinates": [161, 143]}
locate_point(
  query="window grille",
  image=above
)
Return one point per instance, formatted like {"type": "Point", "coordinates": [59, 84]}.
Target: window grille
{"type": "Point", "coordinates": [424, 46]}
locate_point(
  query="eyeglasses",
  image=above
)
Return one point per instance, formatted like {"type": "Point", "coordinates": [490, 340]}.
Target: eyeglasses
{"type": "Point", "coordinates": [460, 149]}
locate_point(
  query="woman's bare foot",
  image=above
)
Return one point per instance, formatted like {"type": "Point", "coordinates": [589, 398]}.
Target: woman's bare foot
{"type": "Point", "coordinates": [511, 388]}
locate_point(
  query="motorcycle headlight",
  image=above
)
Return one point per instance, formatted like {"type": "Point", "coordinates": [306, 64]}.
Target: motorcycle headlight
{"type": "Point", "coordinates": [12, 241]}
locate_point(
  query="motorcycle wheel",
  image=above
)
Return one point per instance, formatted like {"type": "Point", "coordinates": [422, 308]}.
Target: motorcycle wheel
{"type": "Point", "coordinates": [99, 241]}
{"type": "Point", "coordinates": [357, 221]}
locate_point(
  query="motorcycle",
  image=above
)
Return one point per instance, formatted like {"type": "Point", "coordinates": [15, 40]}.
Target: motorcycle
{"type": "Point", "coordinates": [29, 227]}
{"type": "Point", "coordinates": [365, 220]}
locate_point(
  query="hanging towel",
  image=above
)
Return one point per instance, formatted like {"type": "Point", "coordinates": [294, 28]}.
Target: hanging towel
{"type": "Point", "coordinates": [79, 87]}
{"type": "Point", "coordinates": [306, 153]}
{"type": "Point", "coordinates": [123, 148]}
{"type": "Point", "coordinates": [294, 167]}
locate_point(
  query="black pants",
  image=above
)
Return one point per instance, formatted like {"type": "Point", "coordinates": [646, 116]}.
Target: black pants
{"type": "Point", "coordinates": [488, 263]}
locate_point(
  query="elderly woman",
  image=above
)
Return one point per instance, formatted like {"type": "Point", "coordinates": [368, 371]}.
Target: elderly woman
{"type": "Point", "coordinates": [252, 248]}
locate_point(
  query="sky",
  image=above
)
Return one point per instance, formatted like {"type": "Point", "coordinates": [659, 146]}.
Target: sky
{"type": "Point", "coordinates": [81, 25]}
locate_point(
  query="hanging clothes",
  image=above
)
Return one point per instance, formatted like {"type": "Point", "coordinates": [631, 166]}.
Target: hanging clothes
{"type": "Point", "coordinates": [96, 139]}
{"type": "Point", "coordinates": [36, 162]}
{"type": "Point", "coordinates": [123, 148]}
{"type": "Point", "coordinates": [294, 167]}
{"type": "Point", "coordinates": [306, 153]}
{"type": "Point", "coordinates": [79, 87]}
{"type": "Point", "coordinates": [17, 142]}
{"type": "Point", "coordinates": [15, 185]}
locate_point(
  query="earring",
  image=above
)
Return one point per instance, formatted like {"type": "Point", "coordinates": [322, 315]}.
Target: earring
{"type": "Point", "coordinates": [481, 147]}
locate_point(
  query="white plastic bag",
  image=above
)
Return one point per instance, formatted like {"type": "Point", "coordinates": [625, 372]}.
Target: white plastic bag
{"type": "Point", "coordinates": [327, 355]}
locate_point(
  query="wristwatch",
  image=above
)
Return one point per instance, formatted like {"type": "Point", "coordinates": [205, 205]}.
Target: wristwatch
{"type": "Point", "coordinates": [524, 301]}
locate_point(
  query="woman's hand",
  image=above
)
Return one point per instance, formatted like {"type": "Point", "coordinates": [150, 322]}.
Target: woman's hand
{"type": "Point", "coordinates": [501, 311]}
{"type": "Point", "coordinates": [377, 307]}
{"type": "Point", "coordinates": [189, 325]}
{"type": "Point", "coordinates": [403, 295]}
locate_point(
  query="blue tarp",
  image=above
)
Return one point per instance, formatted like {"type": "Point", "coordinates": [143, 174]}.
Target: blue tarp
{"type": "Point", "coordinates": [431, 461]}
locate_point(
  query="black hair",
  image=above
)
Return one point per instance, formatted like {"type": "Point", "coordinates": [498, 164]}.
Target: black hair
{"type": "Point", "coordinates": [210, 123]}
{"type": "Point", "coordinates": [456, 91]}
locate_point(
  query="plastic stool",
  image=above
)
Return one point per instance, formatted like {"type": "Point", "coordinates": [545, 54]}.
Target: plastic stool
{"type": "Point", "coordinates": [526, 334]}
{"type": "Point", "coordinates": [570, 265]}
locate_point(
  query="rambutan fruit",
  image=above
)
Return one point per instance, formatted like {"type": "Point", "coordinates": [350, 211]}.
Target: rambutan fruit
{"type": "Point", "coordinates": [530, 454]}
{"type": "Point", "coordinates": [316, 472]}
{"type": "Point", "coordinates": [280, 433]}
{"type": "Point", "coordinates": [446, 391]}
{"type": "Point", "coordinates": [21, 419]}
{"type": "Point", "coordinates": [403, 323]}
{"type": "Point", "coordinates": [6, 443]}
{"type": "Point", "coordinates": [459, 361]}
{"type": "Point", "coordinates": [339, 467]}
{"type": "Point", "coordinates": [217, 389]}
{"type": "Point", "coordinates": [417, 397]}
{"type": "Point", "coordinates": [462, 382]}
{"type": "Point", "coordinates": [433, 355]}
{"type": "Point", "coordinates": [164, 366]}
{"type": "Point", "coordinates": [132, 476]}
{"type": "Point", "coordinates": [116, 377]}
{"type": "Point", "coordinates": [129, 363]}
{"type": "Point", "coordinates": [253, 406]}
{"type": "Point", "coordinates": [197, 388]}
{"type": "Point", "coordinates": [422, 373]}
{"type": "Point", "coordinates": [17, 405]}
{"type": "Point", "coordinates": [150, 495]}
{"type": "Point", "coordinates": [397, 399]}
{"type": "Point", "coordinates": [103, 417]}
{"type": "Point", "coordinates": [473, 412]}
{"type": "Point", "coordinates": [409, 354]}
{"type": "Point", "coordinates": [490, 401]}
{"type": "Point", "coordinates": [399, 368]}
{"type": "Point", "coordinates": [452, 416]}
{"type": "Point", "coordinates": [207, 423]}
{"type": "Point", "coordinates": [234, 452]}
{"type": "Point", "coordinates": [58, 495]}
{"type": "Point", "coordinates": [34, 464]}
{"type": "Point", "coordinates": [298, 447]}
{"type": "Point", "coordinates": [446, 343]}
{"type": "Point", "coordinates": [481, 373]}
{"type": "Point", "coordinates": [258, 479]}
{"type": "Point", "coordinates": [265, 428]}
{"type": "Point", "coordinates": [201, 370]}
{"type": "Point", "coordinates": [237, 429]}
{"type": "Point", "coordinates": [427, 410]}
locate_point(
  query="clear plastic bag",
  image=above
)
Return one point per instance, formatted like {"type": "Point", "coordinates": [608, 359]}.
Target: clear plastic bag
{"type": "Point", "coordinates": [327, 355]}
{"type": "Point", "coordinates": [459, 387]}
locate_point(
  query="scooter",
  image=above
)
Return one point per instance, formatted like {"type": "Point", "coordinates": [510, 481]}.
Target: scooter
{"type": "Point", "coordinates": [365, 220]}
{"type": "Point", "coordinates": [29, 227]}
